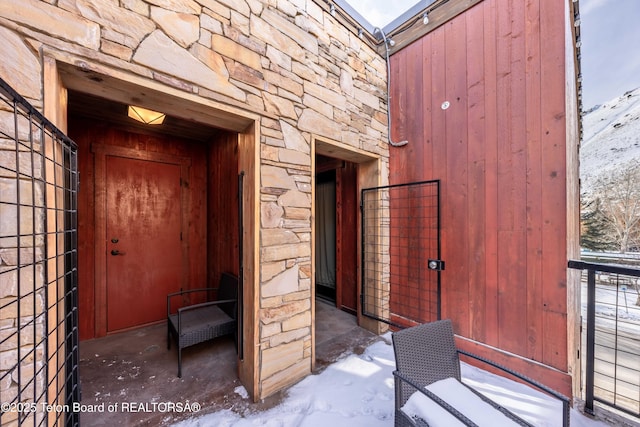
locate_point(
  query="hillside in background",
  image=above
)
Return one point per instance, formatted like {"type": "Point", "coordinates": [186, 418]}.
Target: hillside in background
{"type": "Point", "coordinates": [611, 137]}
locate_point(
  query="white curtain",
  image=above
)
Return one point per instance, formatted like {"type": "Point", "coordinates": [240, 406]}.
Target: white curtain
{"type": "Point", "coordinates": [326, 234]}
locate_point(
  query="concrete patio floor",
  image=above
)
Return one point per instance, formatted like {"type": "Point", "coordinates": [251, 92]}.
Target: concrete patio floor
{"type": "Point", "coordinates": [135, 368]}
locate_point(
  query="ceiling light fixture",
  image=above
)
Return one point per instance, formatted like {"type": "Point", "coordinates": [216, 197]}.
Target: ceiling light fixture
{"type": "Point", "coordinates": [425, 18]}
{"type": "Point", "coordinates": [146, 116]}
{"type": "Point", "coordinates": [332, 9]}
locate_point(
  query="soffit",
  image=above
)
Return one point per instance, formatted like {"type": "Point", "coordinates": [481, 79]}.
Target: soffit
{"type": "Point", "coordinates": [93, 107]}
{"type": "Point", "coordinates": [183, 106]}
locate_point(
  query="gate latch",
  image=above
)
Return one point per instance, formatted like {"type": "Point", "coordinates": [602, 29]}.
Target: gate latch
{"type": "Point", "coordinates": [436, 264]}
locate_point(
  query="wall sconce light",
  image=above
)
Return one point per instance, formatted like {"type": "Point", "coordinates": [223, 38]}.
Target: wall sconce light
{"type": "Point", "coordinates": [146, 116]}
{"type": "Point", "coordinates": [425, 18]}
{"type": "Point", "coordinates": [332, 9]}
{"type": "Point", "coordinates": [360, 33]}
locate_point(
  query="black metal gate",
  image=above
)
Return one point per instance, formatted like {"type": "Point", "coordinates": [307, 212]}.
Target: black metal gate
{"type": "Point", "coordinates": [401, 253]}
{"type": "Point", "coordinates": [38, 267]}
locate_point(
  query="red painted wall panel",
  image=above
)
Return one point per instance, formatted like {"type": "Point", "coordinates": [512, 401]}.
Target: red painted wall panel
{"type": "Point", "coordinates": [222, 213]}
{"type": "Point", "coordinates": [499, 149]}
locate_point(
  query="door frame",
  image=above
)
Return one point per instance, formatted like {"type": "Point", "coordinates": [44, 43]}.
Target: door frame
{"type": "Point", "coordinates": [101, 152]}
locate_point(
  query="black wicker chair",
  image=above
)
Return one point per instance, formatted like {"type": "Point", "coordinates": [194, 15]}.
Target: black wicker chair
{"type": "Point", "coordinates": [426, 354]}
{"type": "Point", "coordinates": [196, 323]}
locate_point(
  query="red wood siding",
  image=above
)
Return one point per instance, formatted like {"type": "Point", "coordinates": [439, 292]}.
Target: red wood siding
{"type": "Point", "coordinates": [500, 153]}
{"type": "Point", "coordinates": [222, 198]}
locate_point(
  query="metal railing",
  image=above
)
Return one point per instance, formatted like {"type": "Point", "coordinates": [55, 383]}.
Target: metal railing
{"type": "Point", "coordinates": [612, 368]}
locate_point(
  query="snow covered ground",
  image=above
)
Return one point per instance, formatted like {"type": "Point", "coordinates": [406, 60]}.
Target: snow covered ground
{"type": "Point", "coordinates": [615, 301]}
{"type": "Point", "coordinates": [357, 391]}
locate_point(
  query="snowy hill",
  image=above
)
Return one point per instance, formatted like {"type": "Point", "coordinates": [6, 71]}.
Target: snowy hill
{"type": "Point", "coordinates": [611, 136]}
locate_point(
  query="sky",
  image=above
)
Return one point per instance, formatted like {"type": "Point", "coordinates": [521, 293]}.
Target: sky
{"type": "Point", "coordinates": [610, 49]}
{"type": "Point", "coordinates": [610, 42]}
{"type": "Point", "coordinates": [381, 12]}
{"type": "Point", "coordinates": [358, 391]}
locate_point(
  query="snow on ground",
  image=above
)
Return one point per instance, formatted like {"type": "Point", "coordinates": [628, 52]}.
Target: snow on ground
{"type": "Point", "coordinates": [615, 302]}
{"type": "Point", "coordinates": [357, 391]}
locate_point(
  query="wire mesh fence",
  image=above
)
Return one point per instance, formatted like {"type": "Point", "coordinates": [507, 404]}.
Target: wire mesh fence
{"type": "Point", "coordinates": [38, 274]}
{"type": "Point", "coordinates": [401, 253]}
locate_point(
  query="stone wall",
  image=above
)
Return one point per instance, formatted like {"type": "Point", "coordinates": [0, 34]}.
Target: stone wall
{"type": "Point", "coordinates": [287, 60]}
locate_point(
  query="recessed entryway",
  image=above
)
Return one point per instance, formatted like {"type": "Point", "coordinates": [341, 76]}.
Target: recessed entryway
{"type": "Point", "coordinates": [336, 231]}
{"type": "Point", "coordinates": [158, 213]}
{"type": "Point", "coordinates": [340, 172]}
{"type": "Point", "coordinates": [214, 146]}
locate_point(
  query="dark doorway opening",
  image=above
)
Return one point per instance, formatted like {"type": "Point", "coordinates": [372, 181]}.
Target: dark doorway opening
{"type": "Point", "coordinates": [336, 231]}
{"type": "Point", "coordinates": [326, 235]}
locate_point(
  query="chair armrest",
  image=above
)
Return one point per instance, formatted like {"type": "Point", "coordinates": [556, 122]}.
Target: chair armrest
{"type": "Point", "coordinates": [542, 387]}
{"type": "Point", "coordinates": [453, 411]}
{"type": "Point", "coordinates": [187, 291]}
{"type": "Point", "coordinates": [204, 304]}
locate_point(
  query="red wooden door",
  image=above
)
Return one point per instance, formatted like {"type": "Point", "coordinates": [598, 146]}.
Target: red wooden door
{"type": "Point", "coordinates": [143, 233]}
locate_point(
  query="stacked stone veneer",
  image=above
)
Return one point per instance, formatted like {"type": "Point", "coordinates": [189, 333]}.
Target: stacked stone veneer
{"type": "Point", "coordinates": [288, 61]}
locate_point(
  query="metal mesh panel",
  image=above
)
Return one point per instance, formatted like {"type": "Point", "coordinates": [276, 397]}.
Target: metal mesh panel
{"type": "Point", "coordinates": [400, 235]}
{"type": "Point", "coordinates": [38, 274]}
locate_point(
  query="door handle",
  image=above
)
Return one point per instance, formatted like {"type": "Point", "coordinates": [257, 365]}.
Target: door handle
{"type": "Point", "coordinates": [115, 252]}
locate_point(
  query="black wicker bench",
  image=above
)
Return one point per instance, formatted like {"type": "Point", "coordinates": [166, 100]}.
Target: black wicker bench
{"type": "Point", "coordinates": [197, 323]}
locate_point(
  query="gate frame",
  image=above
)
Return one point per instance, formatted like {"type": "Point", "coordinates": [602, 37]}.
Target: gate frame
{"type": "Point", "coordinates": [438, 265]}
